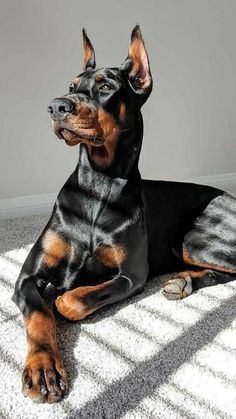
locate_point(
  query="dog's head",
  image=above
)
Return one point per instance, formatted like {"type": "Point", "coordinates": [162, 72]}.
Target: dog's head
{"type": "Point", "coordinates": [103, 104]}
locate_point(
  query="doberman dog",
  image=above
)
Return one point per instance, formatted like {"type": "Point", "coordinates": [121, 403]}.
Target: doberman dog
{"type": "Point", "coordinates": [109, 230]}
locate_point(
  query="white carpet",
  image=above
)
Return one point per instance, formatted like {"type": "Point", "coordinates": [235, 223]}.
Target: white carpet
{"type": "Point", "coordinates": [144, 358]}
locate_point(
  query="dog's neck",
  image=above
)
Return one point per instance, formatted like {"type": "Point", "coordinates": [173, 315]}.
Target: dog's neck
{"type": "Point", "coordinates": [126, 158]}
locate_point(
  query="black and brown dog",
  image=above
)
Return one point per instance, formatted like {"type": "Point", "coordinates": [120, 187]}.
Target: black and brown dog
{"type": "Point", "coordinates": [109, 230]}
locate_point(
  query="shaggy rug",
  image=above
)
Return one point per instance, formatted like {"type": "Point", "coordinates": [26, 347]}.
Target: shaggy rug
{"type": "Point", "coordinates": [143, 358]}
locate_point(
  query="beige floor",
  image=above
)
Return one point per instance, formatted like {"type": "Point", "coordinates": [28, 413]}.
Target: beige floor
{"type": "Point", "coordinates": [143, 358]}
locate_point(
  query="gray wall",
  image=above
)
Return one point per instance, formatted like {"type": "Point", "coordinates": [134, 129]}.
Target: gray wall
{"type": "Point", "coordinates": [190, 119]}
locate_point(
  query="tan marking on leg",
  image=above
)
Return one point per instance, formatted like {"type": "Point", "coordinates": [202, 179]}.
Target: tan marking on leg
{"type": "Point", "coordinates": [192, 274]}
{"type": "Point", "coordinates": [71, 305]}
{"type": "Point", "coordinates": [180, 285]}
{"type": "Point", "coordinates": [43, 358]}
{"type": "Point", "coordinates": [41, 327]}
{"type": "Point", "coordinates": [112, 256]}
{"type": "Point", "coordinates": [187, 259]}
{"type": "Point", "coordinates": [55, 248]}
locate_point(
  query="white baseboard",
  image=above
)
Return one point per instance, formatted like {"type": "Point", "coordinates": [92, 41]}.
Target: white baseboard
{"type": "Point", "coordinates": [23, 206]}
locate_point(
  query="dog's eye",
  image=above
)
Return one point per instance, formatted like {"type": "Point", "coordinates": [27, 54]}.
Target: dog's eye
{"type": "Point", "coordinates": [105, 88]}
{"type": "Point", "coordinates": [71, 88]}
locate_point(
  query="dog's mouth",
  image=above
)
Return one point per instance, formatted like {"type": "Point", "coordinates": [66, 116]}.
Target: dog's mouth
{"type": "Point", "coordinates": [73, 138]}
{"type": "Point", "coordinates": [100, 144]}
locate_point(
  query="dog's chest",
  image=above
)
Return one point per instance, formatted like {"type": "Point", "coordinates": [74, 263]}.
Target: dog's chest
{"type": "Point", "coordinates": [105, 205]}
{"type": "Point", "coordinates": [103, 211]}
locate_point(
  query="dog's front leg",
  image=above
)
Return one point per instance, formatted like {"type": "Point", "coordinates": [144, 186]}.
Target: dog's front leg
{"type": "Point", "coordinates": [82, 301]}
{"type": "Point", "coordinates": [44, 377]}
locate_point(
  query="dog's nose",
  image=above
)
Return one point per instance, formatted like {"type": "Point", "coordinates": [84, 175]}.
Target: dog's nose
{"type": "Point", "coordinates": [60, 107]}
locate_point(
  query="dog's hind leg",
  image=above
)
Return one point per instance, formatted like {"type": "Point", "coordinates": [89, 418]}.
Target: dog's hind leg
{"type": "Point", "coordinates": [209, 247]}
{"type": "Point", "coordinates": [184, 283]}
{"type": "Point", "coordinates": [211, 242]}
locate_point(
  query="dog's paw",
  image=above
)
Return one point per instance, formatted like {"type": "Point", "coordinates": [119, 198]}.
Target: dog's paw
{"type": "Point", "coordinates": [70, 307]}
{"type": "Point", "coordinates": [44, 378]}
{"type": "Point", "coordinates": [177, 288]}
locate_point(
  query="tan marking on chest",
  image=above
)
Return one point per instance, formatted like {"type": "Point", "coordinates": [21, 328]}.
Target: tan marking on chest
{"type": "Point", "coordinates": [111, 256]}
{"type": "Point", "coordinates": [55, 248]}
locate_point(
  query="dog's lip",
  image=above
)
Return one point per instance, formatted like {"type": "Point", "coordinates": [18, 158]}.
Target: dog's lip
{"type": "Point", "coordinates": [80, 137]}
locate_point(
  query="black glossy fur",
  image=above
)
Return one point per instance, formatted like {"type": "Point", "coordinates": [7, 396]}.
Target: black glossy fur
{"type": "Point", "coordinates": [108, 226]}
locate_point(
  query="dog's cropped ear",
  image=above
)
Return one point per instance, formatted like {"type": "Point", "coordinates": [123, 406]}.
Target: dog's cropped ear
{"type": "Point", "coordinates": [137, 64]}
{"type": "Point", "coordinates": [89, 54]}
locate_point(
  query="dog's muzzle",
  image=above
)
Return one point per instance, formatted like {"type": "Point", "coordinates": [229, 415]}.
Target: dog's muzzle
{"type": "Point", "coordinates": [59, 108]}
